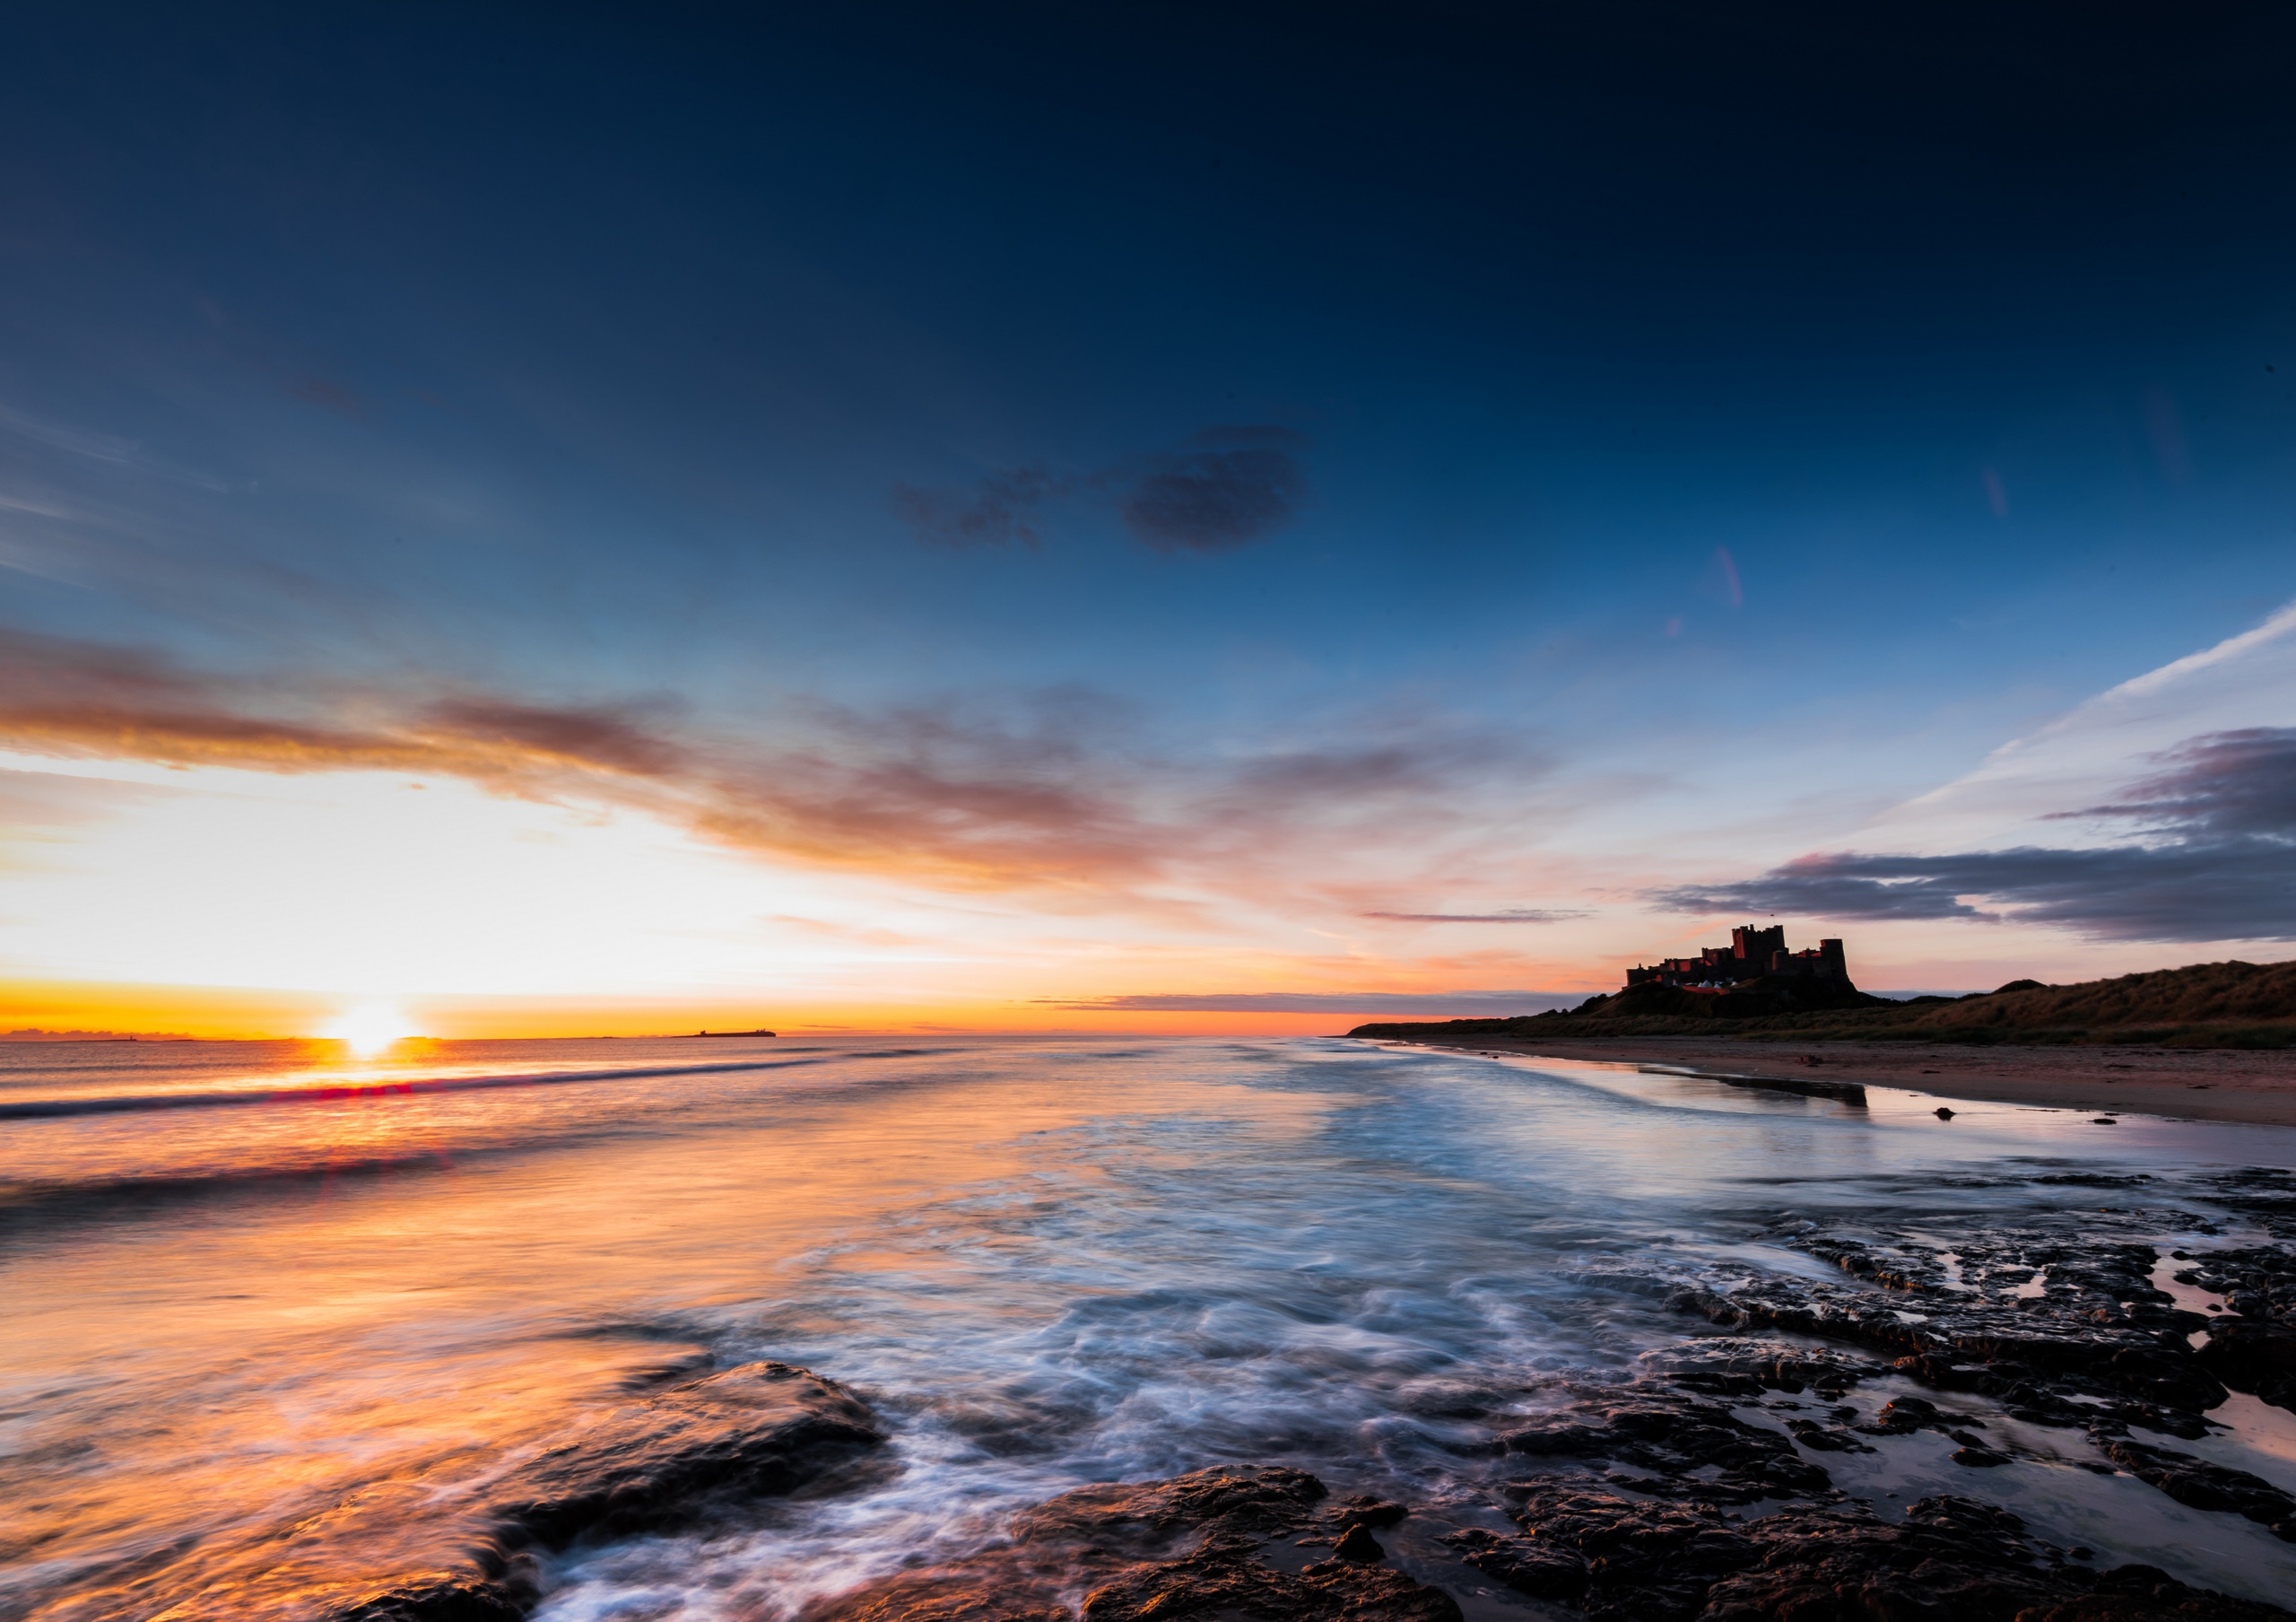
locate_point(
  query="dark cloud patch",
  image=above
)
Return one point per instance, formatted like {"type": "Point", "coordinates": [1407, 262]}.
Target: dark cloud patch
{"type": "Point", "coordinates": [2226, 785]}
{"type": "Point", "coordinates": [1228, 488]}
{"type": "Point", "coordinates": [1364, 772]}
{"type": "Point", "coordinates": [1429, 1005]}
{"type": "Point", "coordinates": [2221, 865]}
{"type": "Point", "coordinates": [998, 511]}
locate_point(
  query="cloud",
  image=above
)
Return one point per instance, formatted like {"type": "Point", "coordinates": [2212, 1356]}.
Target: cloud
{"type": "Point", "coordinates": [1059, 789]}
{"type": "Point", "coordinates": [89, 699]}
{"type": "Point", "coordinates": [1228, 488]}
{"type": "Point", "coordinates": [1431, 1005]}
{"type": "Point", "coordinates": [610, 739]}
{"type": "Point", "coordinates": [79, 441]}
{"type": "Point", "coordinates": [2225, 785]}
{"type": "Point", "coordinates": [995, 512]}
{"type": "Point", "coordinates": [2220, 864]}
{"type": "Point", "coordinates": [1513, 915]}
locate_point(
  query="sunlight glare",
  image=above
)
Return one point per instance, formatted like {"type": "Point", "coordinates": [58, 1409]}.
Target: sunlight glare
{"type": "Point", "coordinates": [369, 1027]}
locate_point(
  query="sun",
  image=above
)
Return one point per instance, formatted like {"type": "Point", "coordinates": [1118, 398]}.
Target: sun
{"type": "Point", "coordinates": [367, 1028]}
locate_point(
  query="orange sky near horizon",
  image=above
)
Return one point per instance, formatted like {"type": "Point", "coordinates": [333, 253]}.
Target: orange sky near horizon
{"type": "Point", "coordinates": [213, 1013]}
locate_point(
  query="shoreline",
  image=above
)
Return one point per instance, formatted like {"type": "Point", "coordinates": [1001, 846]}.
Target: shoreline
{"type": "Point", "coordinates": [2249, 1086]}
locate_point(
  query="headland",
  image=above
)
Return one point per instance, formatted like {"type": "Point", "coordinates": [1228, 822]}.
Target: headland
{"type": "Point", "coordinates": [2209, 1042]}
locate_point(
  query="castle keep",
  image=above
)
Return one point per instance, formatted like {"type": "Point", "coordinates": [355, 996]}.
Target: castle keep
{"type": "Point", "coordinates": [1753, 953]}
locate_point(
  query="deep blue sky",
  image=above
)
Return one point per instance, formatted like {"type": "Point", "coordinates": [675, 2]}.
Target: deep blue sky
{"type": "Point", "coordinates": [1758, 405]}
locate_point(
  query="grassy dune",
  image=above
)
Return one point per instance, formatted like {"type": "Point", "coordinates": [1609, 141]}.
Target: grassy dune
{"type": "Point", "coordinates": [2219, 1005]}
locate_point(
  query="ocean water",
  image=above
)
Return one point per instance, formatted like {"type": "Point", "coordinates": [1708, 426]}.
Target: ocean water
{"type": "Point", "coordinates": [242, 1280]}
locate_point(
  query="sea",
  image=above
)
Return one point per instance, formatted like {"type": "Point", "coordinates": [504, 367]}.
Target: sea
{"type": "Point", "coordinates": [239, 1281]}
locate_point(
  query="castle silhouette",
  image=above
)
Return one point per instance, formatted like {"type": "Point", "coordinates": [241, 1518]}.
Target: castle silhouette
{"type": "Point", "coordinates": [1753, 952]}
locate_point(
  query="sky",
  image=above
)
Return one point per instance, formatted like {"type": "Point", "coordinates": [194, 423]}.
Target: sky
{"type": "Point", "coordinates": [599, 517]}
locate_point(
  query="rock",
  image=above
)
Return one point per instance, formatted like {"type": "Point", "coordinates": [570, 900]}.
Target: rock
{"type": "Point", "coordinates": [2261, 1279]}
{"type": "Point", "coordinates": [2205, 1485]}
{"type": "Point", "coordinates": [1949, 1560]}
{"type": "Point", "coordinates": [431, 1550]}
{"type": "Point", "coordinates": [1737, 1366]}
{"type": "Point", "coordinates": [1943, 1114]}
{"type": "Point", "coordinates": [2145, 1593]}
{"type": "Point", "coordinates": [2099, 1330]}
{"type": "Point", "coordinates": [1676, 1436]}
{"type": "Point", "coordinates": [1526, 1566]}
{"type": "Point", "coordinates": [1825, 1439]}
{"type": "Point", "coordinates": [1611, 1555]}
{"type": "Point", "coordinates": [1190, 1547]}
{"type": "Point", "coordinates": [2256, 1357]}
{"type": "Point", "coordinates": [760, 1429]}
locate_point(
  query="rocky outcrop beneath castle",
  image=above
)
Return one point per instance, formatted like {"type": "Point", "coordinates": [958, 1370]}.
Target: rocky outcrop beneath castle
{"type": "Point", "coordinates": [1755, 999]}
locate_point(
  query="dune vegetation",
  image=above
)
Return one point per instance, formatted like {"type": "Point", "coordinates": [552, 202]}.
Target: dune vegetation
{"type": "Point", "coordinates": [2217, 1004]}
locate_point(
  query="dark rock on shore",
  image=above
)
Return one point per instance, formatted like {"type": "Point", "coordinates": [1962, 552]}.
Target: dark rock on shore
{"type": "Point", "coordinates": [2206, 1486]}
{"type": "Point", "coordinates": [2097, 1346]}
{"type": "Point", "coordinates": [2259, 1358]}
{"type": "Point", "coordinates": [1733, 1365]}
{"type": "Point", "coordinates": [1221, 1543]}
{"type": "Point", "coordinates": [431, 1550]}
{"type": "Point", "coordinates": [1949, 1560]}
{"type": "Point", "coordinates": [1678, 1438]}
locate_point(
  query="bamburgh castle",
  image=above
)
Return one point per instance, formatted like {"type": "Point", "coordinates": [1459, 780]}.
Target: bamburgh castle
{"type": "Point", "coordinates": [1753, 952]}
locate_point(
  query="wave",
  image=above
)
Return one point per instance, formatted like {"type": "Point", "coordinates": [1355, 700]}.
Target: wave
{"type": "Point", "coordinates": [337, 1092]}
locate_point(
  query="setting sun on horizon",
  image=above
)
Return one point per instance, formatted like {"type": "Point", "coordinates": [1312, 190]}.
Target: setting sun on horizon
{"type": "Point", "coordinates": [367, 1028]}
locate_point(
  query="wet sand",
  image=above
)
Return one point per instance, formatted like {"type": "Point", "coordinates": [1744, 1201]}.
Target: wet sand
{"type": "Point", "coordinates": [2255, 1086]}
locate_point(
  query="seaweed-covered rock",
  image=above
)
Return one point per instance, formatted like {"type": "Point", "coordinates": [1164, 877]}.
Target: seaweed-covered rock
{"type": "Point", "coordinates": [1739, 1366]}
{"type": "Point", "coordinates": [1949, 1560]}
{"type": "Point", "coordinates": [1678, 1439]}
{"type": "Point", "coordinates": [2206, 1486]}
{"type": "Point", "coordinates": [428, 1549]}
{"type": "Point", "coordinates": [1198, 1545]}
{"type": "Point", "coordinates": [2098, 1344]}
{"type": "Point", "coordinates": [2253, 1357]}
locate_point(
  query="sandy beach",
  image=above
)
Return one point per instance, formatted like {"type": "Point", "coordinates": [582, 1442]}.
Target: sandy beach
{"type": "Point", "coordinates": [2257, 1086]}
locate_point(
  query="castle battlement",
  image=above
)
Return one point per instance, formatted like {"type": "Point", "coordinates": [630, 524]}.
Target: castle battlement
{"type": "Point", "coordinates": [1755, 951]}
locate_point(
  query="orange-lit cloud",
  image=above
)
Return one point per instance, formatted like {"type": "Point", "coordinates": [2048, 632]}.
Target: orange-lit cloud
{"type": "Point", "coordinates": [1053, 796]}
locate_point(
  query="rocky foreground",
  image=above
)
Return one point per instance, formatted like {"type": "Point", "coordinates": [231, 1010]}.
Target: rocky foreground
{"type": "Point", "coordinates": [1709, 1486]}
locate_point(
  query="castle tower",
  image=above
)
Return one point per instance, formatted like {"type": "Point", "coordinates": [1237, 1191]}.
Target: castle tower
{"type": "Point", "coordinates": [1754, 942]}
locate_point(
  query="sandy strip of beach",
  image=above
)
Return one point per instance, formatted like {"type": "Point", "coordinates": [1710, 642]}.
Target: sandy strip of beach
{"type": "Point", "coordinates": [2193, 1084]}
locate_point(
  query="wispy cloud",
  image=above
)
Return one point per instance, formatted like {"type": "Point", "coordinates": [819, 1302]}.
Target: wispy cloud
{"type": "Point", "coordinates": [1057, 788]}
{"type": "Point", "coordinates": [998, 511]}
{"type": "Point", "coordinates": [2219, 863]}
{"type": "Point", "coordinates": [79, 441]}
{"type": "Point", "coordinates": [1431, 1005]}
{"type": "Point", "coordinates": [1513, 915]}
